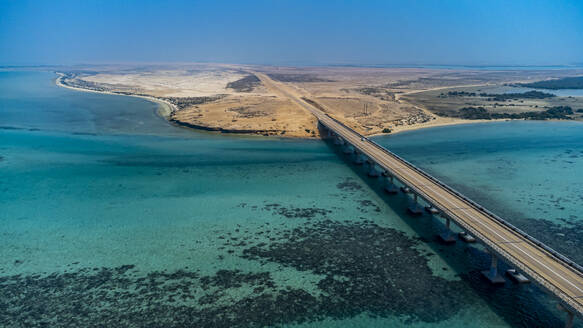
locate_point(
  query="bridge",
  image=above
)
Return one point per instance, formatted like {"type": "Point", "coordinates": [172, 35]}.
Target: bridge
{"type": "Point", "coordinates": [556, 274]}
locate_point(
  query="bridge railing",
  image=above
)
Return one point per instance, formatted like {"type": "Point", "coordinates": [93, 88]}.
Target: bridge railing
{"type": "Point", "coordinates": [479, 207]}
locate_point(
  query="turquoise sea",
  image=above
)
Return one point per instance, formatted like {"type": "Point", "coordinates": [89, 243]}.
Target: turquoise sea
{"type": "Point", "coordinates": [530, 173]}
{"type": "Point", "coordinates": [111, 217]}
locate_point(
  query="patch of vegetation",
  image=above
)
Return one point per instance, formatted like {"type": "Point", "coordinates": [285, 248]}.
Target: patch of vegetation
{"type": "Point", "coordinates": [369, 90]}
{"type": "Point", "coordinates": [72, 80]}
{"type": "Point", "coordinates": [516, 96]}
{"type": "Point", "coordinates": [564, 83]}
{"type": "Point", "coordinates": [386, 130]}
{"type": "Point", "coordinates": [247, 112]}
{"type": "Point", "coordinates": [457, 94]}
{"type": "Point", "coordinates": [500, 96]}
{"type": "Point", "coordinates": [246, 84]}
{"type": "Point", "coordinates": [474, 113]}
{"type": "Point", "coordinates": [480, 113]}
{"type": "Point", "coordinates": [183, 102]}
{"type": "Point", "coordinates": [380, 93]}
{"type": "Point", "coordinates": [297, 78]}
{"type": "Point", "coordinates": [580, 110]}
{"type": "Point", "coordinates": [419, 81]}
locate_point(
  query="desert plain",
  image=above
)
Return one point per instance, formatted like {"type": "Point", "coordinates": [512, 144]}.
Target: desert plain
{"type": "Point", "coordinates": [372, 100]}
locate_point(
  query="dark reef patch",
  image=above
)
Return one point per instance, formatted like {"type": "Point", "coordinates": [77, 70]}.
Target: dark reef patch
{"type": "Point", "coordinates": [349, 185]}
{"type": "Point", "coordinates": [367, 269]}
{"type": "Point", "coordinates": [118, 297]}
{"type": "Point", "coordinates": [292, 212]}
{"type": "Point", "coordinates": [365, 203]}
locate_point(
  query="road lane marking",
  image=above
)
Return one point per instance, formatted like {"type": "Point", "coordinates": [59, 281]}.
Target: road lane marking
{"type": "Point", "coordinates": [410, 177]}
{"type": "Point", "coordinates": [365, 146]}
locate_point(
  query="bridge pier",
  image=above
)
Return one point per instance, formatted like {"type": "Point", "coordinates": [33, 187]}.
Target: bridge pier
{"type": "Point", "coordinates": [466, 237]}
{"type": "Point", "coordinates": [390, 187]}
{"type": "Point", "coordinates": [372, 171]}
{"type": "Point", "coordinates": [414, 208]}
{"type": "Point", "coordinates": [570, 316]}
{"type": "Point", "coordinates": [497, 235]}
{"type": "Point", "coordinates": [347, 149]}
{"type": "Point", "coordinates": [447, 236]}
{"type": "Point", "coordinates": [492, 274]}
{"type": "Point", "coordinates": [357, 158]}
{"type": "Point", "coordinates": [431, 210]}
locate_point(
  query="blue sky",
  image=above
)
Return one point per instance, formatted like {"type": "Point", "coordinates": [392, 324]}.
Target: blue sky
{"type": "Point", "coordinates": [292, 32]}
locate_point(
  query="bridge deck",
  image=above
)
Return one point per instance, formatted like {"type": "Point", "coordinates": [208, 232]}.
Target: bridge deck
{"type": "Point", "coordinates": [546, 268]}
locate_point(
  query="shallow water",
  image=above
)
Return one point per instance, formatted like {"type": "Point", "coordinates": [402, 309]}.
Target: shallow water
{"type": "Point", "coordinates": [105, 221]}
{"type": "Point", "coordinates": [530, 173]}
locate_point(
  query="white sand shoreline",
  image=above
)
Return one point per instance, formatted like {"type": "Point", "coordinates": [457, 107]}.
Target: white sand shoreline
{"type": "Point", "coordinates": [165, 108]}
{"type": "Point", "coordinates": [430, 125]}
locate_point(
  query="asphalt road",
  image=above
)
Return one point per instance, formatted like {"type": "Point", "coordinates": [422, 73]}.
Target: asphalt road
{"type": "Point", "coordinates": [549, 271]}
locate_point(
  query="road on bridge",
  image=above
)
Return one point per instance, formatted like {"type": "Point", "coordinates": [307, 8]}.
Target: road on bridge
{"type": "Point", "coordinates": [548, 270]}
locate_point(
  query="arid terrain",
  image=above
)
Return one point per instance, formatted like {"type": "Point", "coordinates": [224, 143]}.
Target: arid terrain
{"type": "Point", "coordinates": [236, 99]}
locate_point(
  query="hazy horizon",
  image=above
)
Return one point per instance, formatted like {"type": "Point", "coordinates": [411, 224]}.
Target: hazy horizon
{"type": "Point", "coordinates": [288, 163]}
{"type": "Point", "coordinates": [464, 33]}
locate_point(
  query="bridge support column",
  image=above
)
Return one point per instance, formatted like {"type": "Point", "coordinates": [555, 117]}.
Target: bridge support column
{"type": "Point", "coordinates": [447, 236]}
{"type": "Point", "coordinates": [570, 316]}
{"type": "Point", "coordinates": [357, 158]}
{"type": "Point", "coordinates": [390, 187]}
{"type": "Point", "coordinates": [414, 208]}
{"type": "Point", "coordinates": [372, 170]}
{"type": "Point", "coordinates": [347, 149]}
{"type": "Point", "coordinates": [492, 274]}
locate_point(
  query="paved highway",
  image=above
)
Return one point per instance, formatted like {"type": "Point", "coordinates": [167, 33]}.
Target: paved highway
{"type": "Point", "coordinates": [541, 265]}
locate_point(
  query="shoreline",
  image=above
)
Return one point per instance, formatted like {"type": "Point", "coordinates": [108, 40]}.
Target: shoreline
{"type": "Point", "coordinates": [430, 125]}
{"type": "Point", "coordinates": [165, 109]}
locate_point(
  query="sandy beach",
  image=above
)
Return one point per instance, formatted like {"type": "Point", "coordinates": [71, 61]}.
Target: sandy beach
{"type": "Point", "coordinates": [165, 108]}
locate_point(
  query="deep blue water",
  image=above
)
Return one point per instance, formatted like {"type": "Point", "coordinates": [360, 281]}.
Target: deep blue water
{"type": "Point", "coordinates": [109, 216]}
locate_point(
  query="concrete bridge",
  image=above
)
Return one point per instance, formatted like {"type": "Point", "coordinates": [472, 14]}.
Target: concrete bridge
{"type": "Point", "coordinates": [557, 275]}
